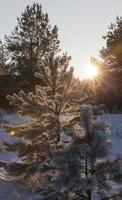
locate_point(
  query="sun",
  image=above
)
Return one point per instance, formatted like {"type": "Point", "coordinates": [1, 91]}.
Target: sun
{"type": "Point", "coordinates": [90, 72]}
{"type": "Point", "coordinates": [12, 133]}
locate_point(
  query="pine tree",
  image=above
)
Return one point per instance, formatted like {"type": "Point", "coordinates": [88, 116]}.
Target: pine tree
{"type": "Point", "coordinates": [84, 169]}
{"type": "Point", "coordinates": [111, 55]}
{"type": "Point", "coordinates": [44, 108]}
{"type": "Point", "coordinates": [4, 79]}
{"type": "Point", "coordinates": [32, 38]}
{"type": "Point", "coordinates": [1, 68]}
{"type": "Point", "coordinates": [2, 58]}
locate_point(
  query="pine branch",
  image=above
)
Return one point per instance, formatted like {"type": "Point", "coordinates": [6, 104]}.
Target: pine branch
{"type": "Point", "coordinates": [112, 197]}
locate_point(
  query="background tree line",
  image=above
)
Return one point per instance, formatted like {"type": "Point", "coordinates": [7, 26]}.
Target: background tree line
{"type": "Point", "coordinates": [110, 89]}
{"type": "Point", "coordinates": [33, 38]}
{"type": "Point", "coordinates": [21, 54]}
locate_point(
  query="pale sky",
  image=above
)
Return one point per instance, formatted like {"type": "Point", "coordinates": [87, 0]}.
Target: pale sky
{"type": "Point", "coordinates": [81, 23]}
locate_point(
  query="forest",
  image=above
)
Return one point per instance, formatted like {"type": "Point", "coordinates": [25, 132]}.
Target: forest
{"type": "Point", "coordinates": [63, 145]}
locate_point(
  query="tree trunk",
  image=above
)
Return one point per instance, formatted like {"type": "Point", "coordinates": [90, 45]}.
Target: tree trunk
{"type": "Point", "coordinates": [86, 166]}
{"type": "Point", "coordinates": [89, 195]}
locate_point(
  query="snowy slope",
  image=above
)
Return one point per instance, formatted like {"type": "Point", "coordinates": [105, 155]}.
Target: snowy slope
{"type": "Point", "coordinates": [116, 134]}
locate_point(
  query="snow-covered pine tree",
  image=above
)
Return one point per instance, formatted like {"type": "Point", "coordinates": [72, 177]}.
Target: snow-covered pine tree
{"type": "Point", "coordinates": [84, 170]}
{"type": "Point", "coordinates": [44, 109]}
{"type": "Point", "coordinates": [2, 58]}
{"type": "Point", "coordinates": [32, 38]}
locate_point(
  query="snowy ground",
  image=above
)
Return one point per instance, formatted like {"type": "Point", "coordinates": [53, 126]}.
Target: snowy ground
{"type": "Point", "coordinates": [13, 119]}
{"type": "Point", "coordinates": [8, 190]}
{"type": "Point", "coordinates": [116, 134]}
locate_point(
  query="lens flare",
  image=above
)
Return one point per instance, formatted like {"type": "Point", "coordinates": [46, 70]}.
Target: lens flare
{"type": "Point", "coordinates": [90, 72]}
{"type": "Point", "coordinates": [12, 133]}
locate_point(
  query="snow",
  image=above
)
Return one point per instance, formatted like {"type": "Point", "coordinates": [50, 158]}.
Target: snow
{"type": "Point", "coordinates": [11, 118]}
{"type": "Point", "coordinates": [12, 191]}
{"type": "Point", "coordinates": [14, 119]}
{"type": "Point", "coordinates": [64, 138]}
{"type": "Point", "coordinates": [116, 134]}
{"type": "Point", "coordinates": [9, 190]}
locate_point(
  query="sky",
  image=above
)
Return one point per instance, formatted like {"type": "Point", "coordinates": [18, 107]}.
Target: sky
{"type": "Point", "coordinates": [81, 24]}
